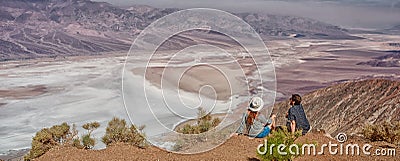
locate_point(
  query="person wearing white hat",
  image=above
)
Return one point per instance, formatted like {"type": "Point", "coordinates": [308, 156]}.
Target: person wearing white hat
{"type": "Point", "coordinates": [253, 124]}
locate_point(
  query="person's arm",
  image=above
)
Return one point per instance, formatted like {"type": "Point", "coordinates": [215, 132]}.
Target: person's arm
{"type": "Point", "coordinates": [263, 120]}
{"type": "Point", "coordinates": [292, 120]}
{"type": "Point", "coordinates": [293, 126]}
{"type": "Point", "coordinates": [242, 124]}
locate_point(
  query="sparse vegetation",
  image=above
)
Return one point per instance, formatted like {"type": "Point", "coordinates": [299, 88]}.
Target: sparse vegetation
{"type": "Point", "coordinates": [87, 140]}
{"type": "Point", "coordinates": [389, 132]}
{"type": "Point", "coordinates": [61, 135]}
{"type": "Point", "coordinates": [204, 123]}
{"type": "Point", "coordinates": [118, 131]}
{"type": "Point", "coordinates": [47, 138]}
{"type": "Point", "coordinates": [280, 137]}
{"type": "Point", "coordinates": [64, 135]}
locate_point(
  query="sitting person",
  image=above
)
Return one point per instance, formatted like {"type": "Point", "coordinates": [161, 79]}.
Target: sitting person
{"type": "Point", "coordinates": [253, 124]}
{"type": "Point", "coordinates": [297, 119]}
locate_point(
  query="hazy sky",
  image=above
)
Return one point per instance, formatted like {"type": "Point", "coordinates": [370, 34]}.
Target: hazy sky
{"type": "Point", "coordinates": [345, 13]}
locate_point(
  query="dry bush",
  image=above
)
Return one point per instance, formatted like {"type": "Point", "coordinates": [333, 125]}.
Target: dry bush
{"type": "Point", "coordinates": [47, 138]}
{"type": "Point", "coordinates": [118, 131]}
{"type": "Point", "coordinates": [57, 135]}
{"type": "Point", "coordinates": [87, 140]}
{"type": "Point", "coordinates": [91, 126]}
{"type": "Point", "coordinates": [383, 132]}
{"type": "Point", "coordinates": [204, 123]}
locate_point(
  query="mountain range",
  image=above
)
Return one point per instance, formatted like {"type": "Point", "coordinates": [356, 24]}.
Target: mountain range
{"type": "Point", "coordinates": [52, 28]}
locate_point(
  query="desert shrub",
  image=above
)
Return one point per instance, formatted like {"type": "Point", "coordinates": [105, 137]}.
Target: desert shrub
{"type": "Point", "coordinates": [188, 129]}
{"type": "Point", "coordinates": [118, 131]}
{"type": "Point", "coordinates": [280, 137]}
{"type": "Point", "coordinates": [205, 122]}
{"type": "Point", "coordinates": [62, 134]}
{"type": "Point", "coordinates": [215, 122]}
{"type": "Point", "coordinates": [389, 132]}
{"type": "Point", "coordinates": [77, 143]}
{"type": "Point", "coordinates": [87, 141]}
{"type": "Point", "coordinates": [47, 138]}
{"type": "Point", "coordinates": [91, 126]}
{"type": "Point", "coordinates": [41, 143]}
{"type": "Point", "coordinates": [73, 138]}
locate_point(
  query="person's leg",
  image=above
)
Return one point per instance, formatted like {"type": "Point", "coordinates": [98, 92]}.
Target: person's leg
{"type": "Point", "coordinates": [271, 120]}
{"type": "Point", "coordinates": [267, 129]}
{"type": "Point", "coordinates": [265, 132]}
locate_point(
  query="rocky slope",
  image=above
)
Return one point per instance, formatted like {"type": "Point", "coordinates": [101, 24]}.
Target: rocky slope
{"type": "Point", "coordinates": [349, 106]}
{"type": "Point", "coordinates": [36, 28]}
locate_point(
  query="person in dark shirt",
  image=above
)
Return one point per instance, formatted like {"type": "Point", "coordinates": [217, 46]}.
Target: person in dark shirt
{"type": "Point", "coordinates": [297, 119]}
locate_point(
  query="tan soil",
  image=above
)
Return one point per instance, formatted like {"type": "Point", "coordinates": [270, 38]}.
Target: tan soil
{"type": "Point", "coordinates": [235, 148]}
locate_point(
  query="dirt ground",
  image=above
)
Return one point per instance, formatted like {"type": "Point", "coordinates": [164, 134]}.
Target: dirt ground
{"type": "Point", "coordinates": [236, 148]}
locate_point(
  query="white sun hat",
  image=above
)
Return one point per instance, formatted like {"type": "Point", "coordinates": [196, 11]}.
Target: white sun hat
{"type": "Point", "coordinates": [256, 104]}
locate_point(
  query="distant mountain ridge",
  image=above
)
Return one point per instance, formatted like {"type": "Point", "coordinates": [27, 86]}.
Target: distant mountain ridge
{"type": "Point", "coordinates": [43, 28]}
{"type": "Point", "coordinates": [347, 107]}
{"type": "Point", "coordinates": [395, 29]}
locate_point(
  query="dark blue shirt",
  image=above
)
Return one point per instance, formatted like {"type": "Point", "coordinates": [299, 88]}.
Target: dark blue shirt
{"type": "Point", "coordinates": [297, 113]}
